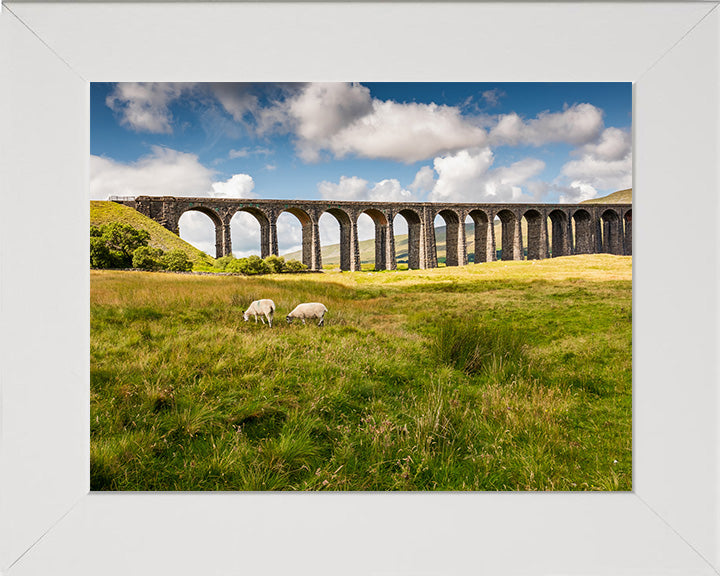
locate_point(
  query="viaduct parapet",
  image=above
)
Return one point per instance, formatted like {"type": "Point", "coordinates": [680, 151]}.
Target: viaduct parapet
{"type": "Point", "coordinates": [552, 229]}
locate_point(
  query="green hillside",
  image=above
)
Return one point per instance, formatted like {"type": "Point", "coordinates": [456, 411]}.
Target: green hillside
{"type": "Point", "coordinates": [104, 212]}
{"type": "Point", "coordinates": [619, 197]}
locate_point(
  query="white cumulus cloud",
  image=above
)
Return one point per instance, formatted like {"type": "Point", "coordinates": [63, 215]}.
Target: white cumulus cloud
{"type": "Point", "coordinates": [145, 106]}
{"type": "Point", "coordinates": [605, 164]}
{"type": "Point", "coordinates": [238, 186]}
{"type": "Point", "coordinates": [406, 132]}
{"type": "Point", "coordinates": [354, 188]}
{"type": "Point", "coordinates": [348, 188]}
{"type": "Point", "coordinates": [390, 190]}
{"type": "Point", "coordinates": [322, 110]}
{"type": "Point", "coordinates": [163, 172]}
{"type": "Point", "coordinates": [613, 144]}
{"type": "Point", "coordinates": [237, 99]}
{"type": "Point", "coordinates": [424, 180]}
{"type": "Point", "coordinates": [467, 176]}
{"type": "Point", "coordinates": [460, 174]}
{"type": "Point", "coordinates": [576, 192]}
{"type": "Point", "coordinates": [576, 124]}
{"type": "Point", "coordinates": [343, 119]}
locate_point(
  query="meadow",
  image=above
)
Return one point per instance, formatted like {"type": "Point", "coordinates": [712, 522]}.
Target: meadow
{"type": "Point", "coordinates": [495, 376]}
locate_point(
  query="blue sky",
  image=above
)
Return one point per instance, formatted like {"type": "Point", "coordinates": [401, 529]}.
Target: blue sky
{"type": "Point", "coordinates": [454, 142]}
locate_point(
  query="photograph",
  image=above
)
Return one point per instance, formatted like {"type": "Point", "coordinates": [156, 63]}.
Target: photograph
{"type": "Point", "coordinates": [358, 286]}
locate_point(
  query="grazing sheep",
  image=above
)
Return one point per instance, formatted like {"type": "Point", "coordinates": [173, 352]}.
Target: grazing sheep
{"type": "Point", "coordinates": [307, 312]}
{"type": "Point", "coordinates": [260, 308]}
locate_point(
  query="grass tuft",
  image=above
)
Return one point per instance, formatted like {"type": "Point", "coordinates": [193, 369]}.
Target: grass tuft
{"type": "Point", "coordinates": [473, 346]}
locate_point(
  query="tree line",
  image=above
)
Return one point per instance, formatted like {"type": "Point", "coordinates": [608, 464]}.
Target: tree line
{"type": "Point", "coordinates": [118, 245]}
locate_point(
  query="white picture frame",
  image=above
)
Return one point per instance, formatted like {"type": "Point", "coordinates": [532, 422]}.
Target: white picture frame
{"type": "Point", "coordinates": [51, 524]}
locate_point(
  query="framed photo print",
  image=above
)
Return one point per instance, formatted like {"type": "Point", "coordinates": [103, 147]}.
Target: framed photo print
{"type": "Point", "coordinates": [361, 295]}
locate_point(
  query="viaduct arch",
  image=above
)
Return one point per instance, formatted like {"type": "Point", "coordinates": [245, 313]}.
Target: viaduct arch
{"type": "Point", "coordinates": [552, 229]}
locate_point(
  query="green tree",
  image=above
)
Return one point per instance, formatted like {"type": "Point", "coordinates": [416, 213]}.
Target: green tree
{"type": "Point", "coordinates": [147, 258]}
{"type": "Point", "coordinates": [176, 261]}
{"type": "Point", "coordinates": [120, 240]}
{"type": "Point", "coordinates": [100, 256]}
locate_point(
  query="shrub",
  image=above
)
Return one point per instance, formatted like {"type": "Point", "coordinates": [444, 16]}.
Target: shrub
{"type": "Point", "coordinates": [119, 240]}
{"type": "Point", "coordinates": [250, 266]}
{"type": "Point", "coordinates": [256, 265]}
{"type": "Point", "coordinates": [147, 258]}
{"type": "Point", "coordinates": [176, 261]}
{"type": "Point", "coordinates": [253, 265]}
{"type": "Point", "coordinates": [295, 266]}
{"type": "Point", "coordinates": [235, 266]}
{"type": "Point", "coordinates": [221, 263]}
{"type": "Point", "coordinates": [275, 263]}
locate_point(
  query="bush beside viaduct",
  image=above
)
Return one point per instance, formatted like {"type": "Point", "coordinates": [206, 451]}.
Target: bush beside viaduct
{"type": "Point", "coordinates": [552, 229]}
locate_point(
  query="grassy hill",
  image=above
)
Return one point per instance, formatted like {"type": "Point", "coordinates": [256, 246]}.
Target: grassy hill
{"type": "Point", "coordinates": [104, 212]}
{"type": "Point", "coordinates": [619, 197]}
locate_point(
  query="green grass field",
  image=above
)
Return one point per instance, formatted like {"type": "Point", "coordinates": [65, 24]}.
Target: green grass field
{"type": "Point", "coordinates": [497, 376]}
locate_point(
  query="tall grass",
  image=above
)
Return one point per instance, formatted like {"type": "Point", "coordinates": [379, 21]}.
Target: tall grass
{"type": "Point", "coordinates": [474, 348]}
{"type": "Point", "coordinates": [499, 376]}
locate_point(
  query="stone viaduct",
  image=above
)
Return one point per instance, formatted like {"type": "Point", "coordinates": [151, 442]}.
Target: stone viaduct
{"type": "Point", "coordinates": [552, 229]}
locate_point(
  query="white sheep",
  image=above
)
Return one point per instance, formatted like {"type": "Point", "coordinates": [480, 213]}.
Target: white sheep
{"type": "Point", "coordinates": [260, 308]}
{"type": "Point", "coordinates": [308, 311]}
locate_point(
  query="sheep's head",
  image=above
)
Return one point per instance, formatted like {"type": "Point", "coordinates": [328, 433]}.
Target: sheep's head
{"type": "Point", "coordinates": [246, 316]}
{"type": "Point", "coordinates": [288, 318]}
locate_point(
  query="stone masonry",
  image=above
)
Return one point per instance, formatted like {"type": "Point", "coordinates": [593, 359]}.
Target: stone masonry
{"type": "Point", "coordinates": [574, 228]}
